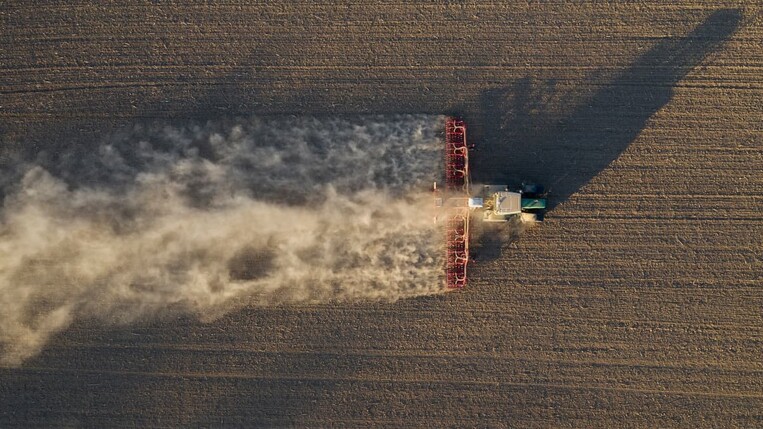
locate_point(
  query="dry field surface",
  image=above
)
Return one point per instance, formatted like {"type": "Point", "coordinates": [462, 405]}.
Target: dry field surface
{"type": "Point", "coordinates": [638, 303]}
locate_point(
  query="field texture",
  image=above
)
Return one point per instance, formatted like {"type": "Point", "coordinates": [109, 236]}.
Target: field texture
{"type": "Point", "coordinates": [638, 303]}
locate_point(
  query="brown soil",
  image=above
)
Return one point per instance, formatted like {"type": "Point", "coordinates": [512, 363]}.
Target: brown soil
{"type": "Point", "coordinates": [638, 303]}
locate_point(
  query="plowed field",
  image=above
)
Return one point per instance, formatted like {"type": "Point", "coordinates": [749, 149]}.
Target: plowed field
{"type": "Point", "coordinates": [638, 303]}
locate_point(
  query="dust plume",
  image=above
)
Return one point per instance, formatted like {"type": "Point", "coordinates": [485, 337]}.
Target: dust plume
{"type": "Point", "coordinates": [205, 218]}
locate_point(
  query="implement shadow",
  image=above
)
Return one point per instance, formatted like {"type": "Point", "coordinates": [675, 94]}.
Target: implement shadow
{"type": "Point", "coordinates": [566, 153]}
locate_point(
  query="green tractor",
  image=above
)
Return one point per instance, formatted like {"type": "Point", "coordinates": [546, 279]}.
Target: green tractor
{"type": "Point", "coordinates": [499, 204]}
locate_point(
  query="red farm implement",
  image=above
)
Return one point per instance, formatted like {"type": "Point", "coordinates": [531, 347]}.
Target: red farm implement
{"type": "Point", "coordinates": [490, 203]}
{"type": "Point", "coordinates": [457, 212]}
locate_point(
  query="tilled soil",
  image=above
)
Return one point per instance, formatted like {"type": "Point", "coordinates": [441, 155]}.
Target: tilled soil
{"type": "Point", "coordinates": [637, 303]}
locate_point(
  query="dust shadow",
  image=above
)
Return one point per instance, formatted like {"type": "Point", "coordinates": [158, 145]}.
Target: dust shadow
{"type": "Point", "coordinates": [523, 144]}
{"type": "Point", "coordinates": [520, 140]}
{"type": "Point", "coordinates": [489, 239]}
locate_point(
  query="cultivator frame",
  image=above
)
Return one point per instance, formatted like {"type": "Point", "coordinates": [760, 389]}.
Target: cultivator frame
{"type": "Point", "coordinates": [457, 215]}
{"type": "Point", "coordinates": [456, 156]}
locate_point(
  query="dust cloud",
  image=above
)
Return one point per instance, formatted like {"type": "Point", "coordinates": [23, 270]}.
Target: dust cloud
{"type": "Point", "coordinates": [205, 218]}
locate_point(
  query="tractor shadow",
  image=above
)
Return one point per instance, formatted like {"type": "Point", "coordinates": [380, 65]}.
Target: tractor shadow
{"type": "Point", "coordinates": [521, 139]}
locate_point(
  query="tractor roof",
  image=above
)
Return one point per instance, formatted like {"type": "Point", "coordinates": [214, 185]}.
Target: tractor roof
{"type": "Point", "coordinates": [508, 203]}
